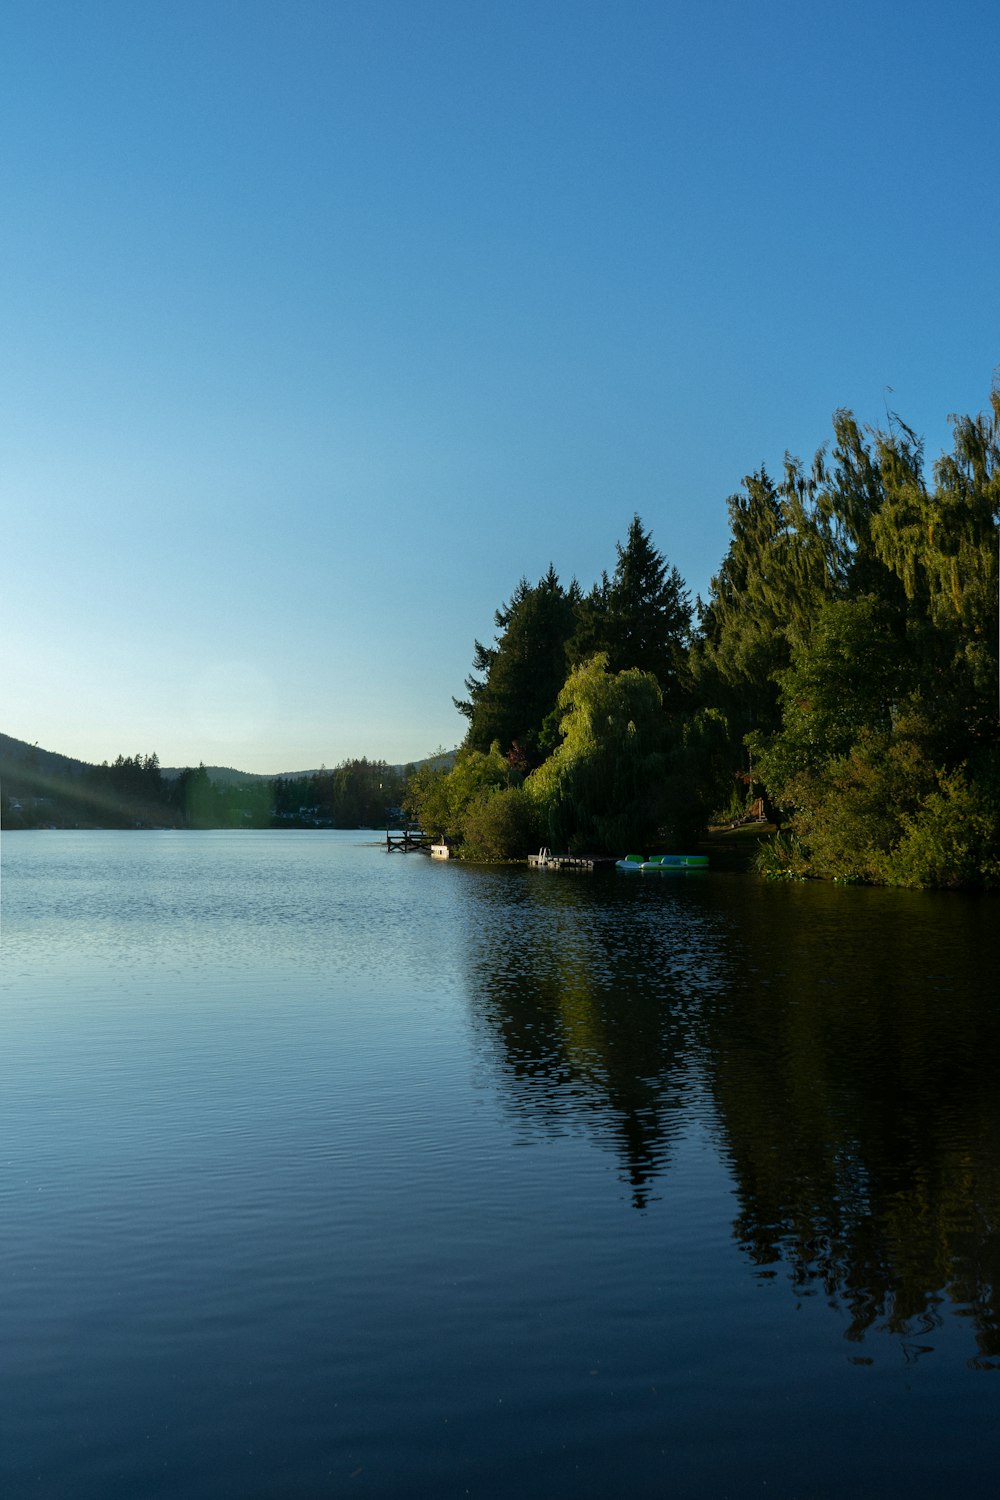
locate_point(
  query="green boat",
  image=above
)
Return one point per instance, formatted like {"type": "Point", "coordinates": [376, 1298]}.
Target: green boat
{"type": "Point", "coordinates": [663, 864]}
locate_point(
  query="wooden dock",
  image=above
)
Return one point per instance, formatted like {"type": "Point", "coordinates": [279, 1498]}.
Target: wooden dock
{"type": "Point", "coordinates": [543, 860]}
{"type": "Point", "coordinates": [405, 842]}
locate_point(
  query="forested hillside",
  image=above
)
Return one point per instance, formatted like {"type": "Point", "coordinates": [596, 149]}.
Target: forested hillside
{"type": "Point", "coordinates": [41, 789]}
{"type": "Point", "coordinates": [844, 667]}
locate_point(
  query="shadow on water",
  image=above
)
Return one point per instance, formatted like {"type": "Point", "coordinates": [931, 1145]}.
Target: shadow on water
{"type": "Point", "coordinates": [840, 1044]}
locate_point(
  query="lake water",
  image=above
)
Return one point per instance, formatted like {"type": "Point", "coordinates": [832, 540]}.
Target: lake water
{"type": "Point", "coordinates": [325, 1172]}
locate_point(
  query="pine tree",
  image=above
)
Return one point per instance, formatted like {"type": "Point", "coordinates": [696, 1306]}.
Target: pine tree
{"type": "Point", "coordinates": [523, 671]}
{"type": "Point", "coordinates": [640, 617]}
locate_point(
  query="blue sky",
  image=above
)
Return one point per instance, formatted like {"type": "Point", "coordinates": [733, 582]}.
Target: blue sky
{"type": "Point", "coordinates": [322, 323]}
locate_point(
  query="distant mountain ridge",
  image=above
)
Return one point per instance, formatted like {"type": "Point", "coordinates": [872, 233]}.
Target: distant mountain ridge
{"type": "Point", "coordinates": [224, 775]}
{"type": "Point", "coordinates": [16, 753]}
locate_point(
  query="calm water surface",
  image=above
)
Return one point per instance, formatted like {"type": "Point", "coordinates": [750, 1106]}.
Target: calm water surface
{"type": "Point", "coordinates": [325, 1172]}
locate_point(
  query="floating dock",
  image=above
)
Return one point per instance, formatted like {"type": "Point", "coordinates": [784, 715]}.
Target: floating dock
{"type": "Point", "coordinates": [543, 860]}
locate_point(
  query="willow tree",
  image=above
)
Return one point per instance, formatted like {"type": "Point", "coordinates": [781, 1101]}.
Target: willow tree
{"type": "Point", "coordinates": [796, 546]}
{"type": "Point", "coordinates": [940, 542]}
{"type": "Point", "coordinates": [600, 791]}
{"type": "Point", "coordinates": [887, 756]}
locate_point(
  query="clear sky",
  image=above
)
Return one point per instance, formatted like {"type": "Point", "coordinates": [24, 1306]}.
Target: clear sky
{"type": "Point", "coordinates": [323, 321]}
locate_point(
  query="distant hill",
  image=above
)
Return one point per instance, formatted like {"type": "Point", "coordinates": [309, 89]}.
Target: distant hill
{"type": "Point", "coordinates": [229, 776]}
{"type": "Point", "coordinates": [442, 761]}
{"type": "Point", "coordinates": [222, 775]}
{"type": "Point", "coordinates": [17, 755]}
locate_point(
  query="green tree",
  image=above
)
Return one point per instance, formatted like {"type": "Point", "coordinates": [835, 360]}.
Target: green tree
{"type": "Point", "coordinates": [499, 824]}
{"type": "Point", "coordinates": [130, 790]}
{"type": "Point", "coordinates": [850, 675]}
{"type": "Point", "coordinates": [950, 839]}
{"type": "Point", "coordinates": [601, 790]}
{"type": "Point", "coordinates": [195, 799]}
{"type": "Point", "coordinates": [523, 671]}
{"type": "Point", "coordinates": [640, 618]}
{"type": "Point", "coordinates": [439, 799]}
{"type": "Point", "coordinates": [940, 544]}
{"type": "Point", "coordinates": [743, 637]}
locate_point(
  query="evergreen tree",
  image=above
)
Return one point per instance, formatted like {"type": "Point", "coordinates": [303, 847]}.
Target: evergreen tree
{"type": "Point", "coordinates": [743, 638]}
{"type": "Point", "coordinates": [524, 670]}
{"type": "Point", "coordinates": [640, 617]}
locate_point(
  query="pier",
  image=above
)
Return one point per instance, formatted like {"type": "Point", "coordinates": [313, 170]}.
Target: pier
{"type": "Point", "coordinates": [403, 843]}
{"type": "Point", "coordinates": [543, 860]}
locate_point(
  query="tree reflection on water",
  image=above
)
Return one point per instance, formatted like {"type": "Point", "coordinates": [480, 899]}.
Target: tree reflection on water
{"type": "Point", "coordinates": [596, 1020]}
{"type": "Point", "coordinates": [855, 1087]}
{"type": "Point", "coordinates": [840, 1044]}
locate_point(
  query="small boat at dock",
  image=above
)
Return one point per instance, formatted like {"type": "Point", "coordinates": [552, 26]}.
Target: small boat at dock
{"type": "Point", "coordinates": [662, 864]}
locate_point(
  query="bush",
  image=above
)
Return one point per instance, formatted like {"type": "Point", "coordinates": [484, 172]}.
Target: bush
{"type": "Point", "coordinates": [440, 799]}
{"type": "Point", "coordinates": [780, 858]}
{"type": "Point", "coordinates": [951, 840]}
{"type": "Point", "coordinates": [500, 825]}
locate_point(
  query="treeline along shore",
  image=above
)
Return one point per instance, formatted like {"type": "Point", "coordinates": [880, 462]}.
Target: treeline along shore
{"type": "Point", "coordinates": [842, 677]}
{"type": "Point", "coordinates": [41, 790]}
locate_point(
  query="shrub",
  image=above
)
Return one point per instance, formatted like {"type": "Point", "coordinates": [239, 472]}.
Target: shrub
{"type": "Point", "coordinates": [780, 858]}
{"type": "Point", "coordinates": [500, 825]}
{"type": "Point", "coordinates": [950, 840]}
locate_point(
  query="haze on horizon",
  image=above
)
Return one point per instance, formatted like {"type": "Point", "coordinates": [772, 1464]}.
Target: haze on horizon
{"type": "Point", "coordinates": [324, 323]}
